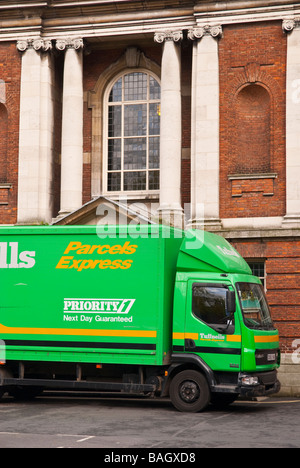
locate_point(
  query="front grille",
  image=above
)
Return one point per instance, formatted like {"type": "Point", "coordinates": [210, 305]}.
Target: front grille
{"type": "Point", "coordinates": [265, 357]}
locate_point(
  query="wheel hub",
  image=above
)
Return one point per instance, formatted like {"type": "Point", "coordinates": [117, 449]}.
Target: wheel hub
{"type": "Point", "coordinates": [189, 391]}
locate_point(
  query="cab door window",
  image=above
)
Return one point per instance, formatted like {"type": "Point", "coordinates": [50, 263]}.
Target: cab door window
{"type": "Point", "coordinates": [210, 305]}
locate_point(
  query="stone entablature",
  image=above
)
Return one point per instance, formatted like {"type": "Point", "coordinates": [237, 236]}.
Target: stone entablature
{"type": "Point", "coordinates": [51, 20]}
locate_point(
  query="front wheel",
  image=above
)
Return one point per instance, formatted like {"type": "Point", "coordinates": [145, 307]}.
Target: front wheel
{"type": "Point", "coordinates": [189, 391]}
{"type": "Point", "coordinates": [220, 400]}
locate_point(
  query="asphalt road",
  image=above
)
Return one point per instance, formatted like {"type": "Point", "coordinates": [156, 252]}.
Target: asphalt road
{"type": "Point", "coordinates": [62, 421]}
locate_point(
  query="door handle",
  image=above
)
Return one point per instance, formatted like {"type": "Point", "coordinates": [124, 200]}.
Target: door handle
{"type": "Point", "coordinates": [189, 344]}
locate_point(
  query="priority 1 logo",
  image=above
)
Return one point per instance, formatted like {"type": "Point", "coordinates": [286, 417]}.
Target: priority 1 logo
{"type": "Point", "coordinates": [10, 257]}
{"type": "Point", "coordinates": [107, 306]}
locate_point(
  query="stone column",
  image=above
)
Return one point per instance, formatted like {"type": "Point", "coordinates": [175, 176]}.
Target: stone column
{"type": "Point", "coordinates": [292, 217]}
{"type": "Point", "coordinates": [72, 126]}
{"type": "Point", "coordinates": [170, 134]}
{"type": "Point", "coordinates": [205, 129]}
{"type": "Point", "coordinates": [35, 198]}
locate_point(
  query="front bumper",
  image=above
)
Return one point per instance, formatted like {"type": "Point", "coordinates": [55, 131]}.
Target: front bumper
{"type": "Point", "coordinates": [266, 383]}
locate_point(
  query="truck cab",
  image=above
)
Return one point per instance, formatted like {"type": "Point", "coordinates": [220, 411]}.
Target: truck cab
{"type": "Point", "coordinates": [222, 323]}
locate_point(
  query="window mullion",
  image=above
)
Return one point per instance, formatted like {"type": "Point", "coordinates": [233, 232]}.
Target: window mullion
{"type": "Point", "coordinates": [147, 141]}
{"type": "Point", "coordinates": [122, 137]}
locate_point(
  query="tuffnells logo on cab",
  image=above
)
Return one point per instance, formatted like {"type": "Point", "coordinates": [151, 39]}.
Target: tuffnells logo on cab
{"type": "Point", "coordinates": [11, 257]}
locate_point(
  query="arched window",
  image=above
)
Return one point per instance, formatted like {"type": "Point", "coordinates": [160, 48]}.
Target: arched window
{"type": "Point", "coordinates": [132, 134]}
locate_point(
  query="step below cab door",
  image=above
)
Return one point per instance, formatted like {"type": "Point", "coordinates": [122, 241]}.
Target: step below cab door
{"type": "Point", "coordinates": [212, 328]}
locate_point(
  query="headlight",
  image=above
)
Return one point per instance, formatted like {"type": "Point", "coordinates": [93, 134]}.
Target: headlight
{"type": "Point", "coordinates": [250, 380]}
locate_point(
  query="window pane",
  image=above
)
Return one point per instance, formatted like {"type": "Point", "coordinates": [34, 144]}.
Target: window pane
{"type": "Point", "coordinates": [135, 181]}
{"type": "Point", "coordinates": [114, 181]}
{"type": "Point", "coordinates": [154, 89]}
{"type": "Point", "coordinates": [258, 269]}
{"type": "Point", "coordinates": [114, 121]}
{"type": "Point", "coordinates": [133, 133]}
{"type": "Point", "coordinates": [154, 119]}
{"type": "Point", "coordinates": [153, 180]}
{"type": "Point", "coordinates": [135, 120]}
{"type": "Point", "coordinates": [114, 155]}
{"type": "Point", "coordinates": [254, 306]}
{"type": "Point", "coordinates": [154, 153]}
{"type": "Point", "coordinates": [209, 304]}
{"type": "Point", "coordinates": [135, 87]}
{"type": "Point", "coordinates": [116, 92]}
{"type": "Point", "coordinates": [135, 154]}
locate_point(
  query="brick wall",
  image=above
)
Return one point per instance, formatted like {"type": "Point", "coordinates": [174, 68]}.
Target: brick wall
{"type": "Point", "coordinates": [186, 76]}
{"type": "Point", "coordinates": [3, 141]}
{"type": "Point", "coordinates": [282, 257]}
{"type": "Point", "coordinates": [252, 119]}
{"type": "Point", "coordinates": [10, 73]}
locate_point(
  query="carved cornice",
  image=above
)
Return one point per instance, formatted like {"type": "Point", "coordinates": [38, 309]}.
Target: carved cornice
{"type": "Point", "coordinates": [206, 30]}
{"type": "Point", "coordinates": [163, 36]}
{"type": "Point", "coordinates": [38, 44]}
{"type": "Point", "coordinates": [69, 43]}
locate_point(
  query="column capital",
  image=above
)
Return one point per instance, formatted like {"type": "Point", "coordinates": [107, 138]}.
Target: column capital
{"type": "Point", "coordinates": [38, 44]}
{"type": "Point", "coordinates": [205, 30]}
{"type": "Point", "coordinates": [163, 36]}
{"type": "Point", "coordinates": [288, 25]}
{"type": "Point", "coordinates": [69, 43]}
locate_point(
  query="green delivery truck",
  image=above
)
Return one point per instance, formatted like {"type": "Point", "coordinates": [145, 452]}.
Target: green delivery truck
{"type": "Point", "coordinates": [144, 310]}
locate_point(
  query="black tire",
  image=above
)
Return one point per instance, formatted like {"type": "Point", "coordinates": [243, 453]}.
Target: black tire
{"type": "Point", "coordinates": [220, 400]}
{"type": "Point", "coordinates": [25, 393]}
{"type": "Point", "coordinates": [189, 391]}
{"type": "Point", "coordinates": [2, 391]}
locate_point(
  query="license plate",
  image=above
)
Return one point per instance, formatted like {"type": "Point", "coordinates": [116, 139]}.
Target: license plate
{"type": "Point", "coordinates": [271, 357]}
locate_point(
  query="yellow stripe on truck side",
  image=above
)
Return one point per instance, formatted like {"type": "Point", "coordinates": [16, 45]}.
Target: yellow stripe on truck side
{"type": "Point", "coordinates": [183, 336]}
{"type": "Point", "coordinates": [77, 332]}
{"type": "Point", "coordinates": [234, 338]}
{"type": "Point", "coordinates": [266, 339]}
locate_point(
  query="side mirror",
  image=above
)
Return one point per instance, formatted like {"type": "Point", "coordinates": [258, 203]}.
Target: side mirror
{"type": "Point", "coordinates": [231, 304]}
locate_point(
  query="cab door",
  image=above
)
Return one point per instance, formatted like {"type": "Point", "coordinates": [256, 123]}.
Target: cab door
{"type": "Point", "coordinates": [212, 328]}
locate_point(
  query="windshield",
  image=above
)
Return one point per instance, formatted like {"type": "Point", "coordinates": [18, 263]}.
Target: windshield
{"type": "Point", "coordinates": [255, 308]}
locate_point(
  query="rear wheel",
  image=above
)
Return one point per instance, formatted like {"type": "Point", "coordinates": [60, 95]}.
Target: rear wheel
{"type": "Point", "coordinates": [25, 393]}
{"type": "Point", "coordinates": [189, 391]}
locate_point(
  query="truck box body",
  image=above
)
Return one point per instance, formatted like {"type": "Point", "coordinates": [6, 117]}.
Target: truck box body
{"type": "Point", "coordinates": [140, 309]}
{"type": "Point", "coordinates": [68, 295]}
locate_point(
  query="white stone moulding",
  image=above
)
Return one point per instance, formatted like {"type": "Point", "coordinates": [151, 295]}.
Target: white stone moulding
{"type": "Point", "coordinates": [69, 43]}
{"type": "Point", "coordinates": [38, 44]}
{"type": "Point", "coordinates": [205, 30]}
{"type": "Point", "coordinates": [163, 36]}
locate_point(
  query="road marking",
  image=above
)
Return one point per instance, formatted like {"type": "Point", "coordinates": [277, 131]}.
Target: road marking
{"type": "Point", "coordinates": [10, 433]}
{"type": "Point", "coordinates": [269, 402]}
{"type": "Point", "coordinates": [86, 438]}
